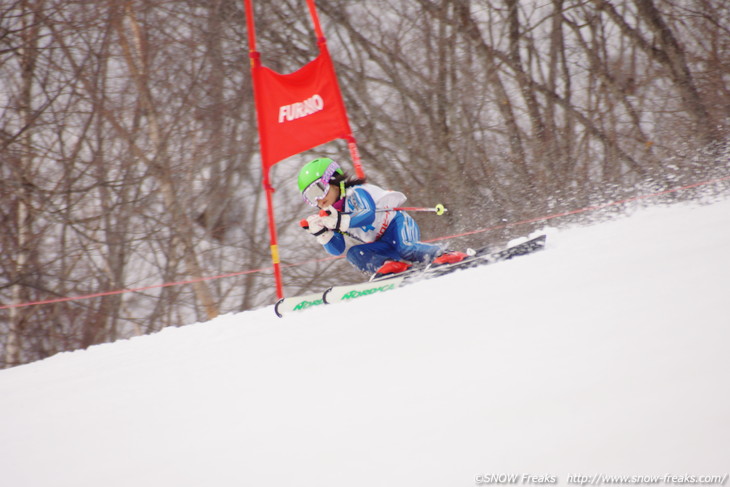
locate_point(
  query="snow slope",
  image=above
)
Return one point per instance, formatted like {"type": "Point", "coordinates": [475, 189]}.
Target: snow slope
{"type": "Point", "coordinates": [605, 354]}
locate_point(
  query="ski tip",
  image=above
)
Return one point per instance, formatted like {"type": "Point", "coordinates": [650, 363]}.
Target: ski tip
{"type": "Point", "coordinates": [276, 308]}
{"type": "Point", "coordinates": [324, 296]}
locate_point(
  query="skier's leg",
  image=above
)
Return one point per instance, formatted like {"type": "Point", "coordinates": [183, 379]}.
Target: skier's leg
{"type": "Point", "coordinates": [405, 239]}
{"type": "Point", "coordinates": [369, 257]}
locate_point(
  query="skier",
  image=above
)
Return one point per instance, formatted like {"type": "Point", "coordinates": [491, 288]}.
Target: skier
{"type": "Point", "coordinates": [389, 239]}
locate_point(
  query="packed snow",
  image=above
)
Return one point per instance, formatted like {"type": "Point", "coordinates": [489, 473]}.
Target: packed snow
{"type": "Point", "coordinates": [605, 354]}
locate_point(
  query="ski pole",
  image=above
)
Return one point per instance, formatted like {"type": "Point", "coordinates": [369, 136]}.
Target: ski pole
{"type": "Point", "coordinates": [438, 209]}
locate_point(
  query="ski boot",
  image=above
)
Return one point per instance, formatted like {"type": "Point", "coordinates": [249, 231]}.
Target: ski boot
{"type": "Point", "coordinates": [449, 257]}
{"type": "Point", "coordinates": [391, 267]}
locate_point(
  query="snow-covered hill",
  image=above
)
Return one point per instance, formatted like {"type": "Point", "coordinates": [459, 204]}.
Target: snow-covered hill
{"type": "Point", "coordinates": [608, 353]}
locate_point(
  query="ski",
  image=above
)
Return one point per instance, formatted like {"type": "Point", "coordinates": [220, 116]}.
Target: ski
{"type": "Point", "coordinates": [485, 256]}
{"type": "Point", "coordinates": [297, 303]}
{"type": "Point", "coordinates": [478, 257]}
{"type": "Point", "coordinates": [338, 294]}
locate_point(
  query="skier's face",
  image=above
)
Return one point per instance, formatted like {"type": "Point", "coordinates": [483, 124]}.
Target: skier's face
{"type": "Point", "coordinates": [329, 199]}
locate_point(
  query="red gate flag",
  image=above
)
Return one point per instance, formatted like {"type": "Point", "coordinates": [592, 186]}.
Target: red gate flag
{"type": "Point", "coordinates": [298, 111]}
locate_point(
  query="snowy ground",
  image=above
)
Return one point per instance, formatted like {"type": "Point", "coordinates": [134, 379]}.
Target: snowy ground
{"type": "Point", "coordinates": [605, 354]}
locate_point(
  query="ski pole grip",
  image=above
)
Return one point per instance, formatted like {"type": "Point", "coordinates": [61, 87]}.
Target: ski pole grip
{"type": "Point", "coordinates": [304, 224]}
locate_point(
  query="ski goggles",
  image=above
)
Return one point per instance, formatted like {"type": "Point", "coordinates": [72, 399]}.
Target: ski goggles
{"type": "Point", "coordinates": [315, 192]}
{"type": "Point", "coordinates": [318, 189]}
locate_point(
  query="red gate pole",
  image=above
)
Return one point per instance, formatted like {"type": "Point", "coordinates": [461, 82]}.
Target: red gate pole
{"type": "Point", "coordinates": [355, 155]}
{"type": "Point", "coordinates": [272, 235]}
{"type": "Point", "coordinates": [255, 65]}
{"type": "Point", "coordinates": [322, 42]}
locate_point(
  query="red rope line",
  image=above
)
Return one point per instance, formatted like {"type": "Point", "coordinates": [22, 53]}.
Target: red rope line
{"type": "Point", "coordinates": [265, 269]}
{"type": "Point", "coordinates": [130, 290]}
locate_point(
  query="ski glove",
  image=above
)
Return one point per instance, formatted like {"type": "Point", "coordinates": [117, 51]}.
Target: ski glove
{"type": "Point", "coordinates": [334, 220]}
{"type": "Point", "coordinates": [315, 227]}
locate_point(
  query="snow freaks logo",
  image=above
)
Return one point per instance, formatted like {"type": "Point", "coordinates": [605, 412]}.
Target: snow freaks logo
{"type": "Point", "coordinates": [297, 110]}
{"type": "Point", "coordinates": [527, 479]}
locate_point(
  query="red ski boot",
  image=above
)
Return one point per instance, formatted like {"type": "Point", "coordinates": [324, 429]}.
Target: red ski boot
{"type": "Point", "coordinates": [392, 267]}
{"type": "Point", "coordinates": [449, 257]}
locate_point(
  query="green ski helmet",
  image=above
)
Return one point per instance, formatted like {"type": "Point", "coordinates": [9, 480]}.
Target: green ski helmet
{"type": "Point", "coordinates": [315, 177]}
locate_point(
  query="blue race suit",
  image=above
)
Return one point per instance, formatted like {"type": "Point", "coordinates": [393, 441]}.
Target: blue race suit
{"type": "Point", "coordinates": [387, 235]}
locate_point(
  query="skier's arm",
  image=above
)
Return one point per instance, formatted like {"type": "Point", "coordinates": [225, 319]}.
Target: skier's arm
{"type": "Point", "coordinates": [333, 242]}
{"type": "Point", "coordinates": [363, 213]}
{"type": "Point", "coordinates": [336, 244]}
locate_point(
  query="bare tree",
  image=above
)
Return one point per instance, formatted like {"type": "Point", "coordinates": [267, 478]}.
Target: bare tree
{"type": "Point", "coordinates": [129, 154]}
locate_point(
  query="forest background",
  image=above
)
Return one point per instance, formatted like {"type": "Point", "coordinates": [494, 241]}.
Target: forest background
{"type": "Point", "coordinates": [129, 150]}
